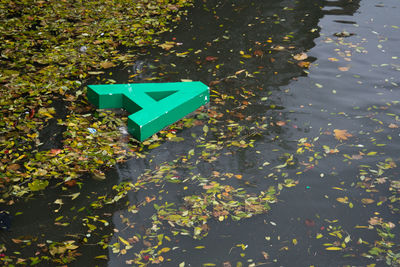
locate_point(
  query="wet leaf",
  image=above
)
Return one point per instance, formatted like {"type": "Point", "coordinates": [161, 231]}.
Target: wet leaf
{"type": "Point", "coordinates": [107, 64]}
{"type": "Point", "coordinates": [341, 134]}
{"type": "Point", "coordinates": [300, 56]}
{"type": "Point", "coordinates": [367, 201]}
{"type": "Point", "coordinates": [211, 59]}
{"type": "Point", "coordinates": [343, 200]}
{"type": "Point", "coordinates": [38, 185]}
{"type": "Point", "coordinates": [309, 223]}
{"type": "Point", "coordinates": [333, 248]}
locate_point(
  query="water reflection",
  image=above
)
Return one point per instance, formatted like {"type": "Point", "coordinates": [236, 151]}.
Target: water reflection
{"type": "Point", "coordinates": [245, 50]}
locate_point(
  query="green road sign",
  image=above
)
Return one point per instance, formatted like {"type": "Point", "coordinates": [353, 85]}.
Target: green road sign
{"type": "Point", "coordinates": [153, 106]}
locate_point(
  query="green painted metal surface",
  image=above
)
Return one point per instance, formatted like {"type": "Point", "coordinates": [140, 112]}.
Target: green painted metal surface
{"type": "Point", "coordinates": [153, 106]}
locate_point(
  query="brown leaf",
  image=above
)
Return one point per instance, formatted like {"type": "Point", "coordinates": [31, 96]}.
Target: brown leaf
{"type": "Point", "coordinates": [303, 64]}
{"type": "Point", "coordinates": [357, 156]}
{"type": "Point", "coordinates": [280, 123]}
{"type": "Point", "coordinates": [342, 134]}
{"type": "Point", "coordinates": [16, 241]}
{"type": "Point", "coordinates": [393, 126]}
{"type": "Point", "coordinates": [212, 83]}
{"type": "Point", "coordinates": [211, 59]}
{"type": "Point", "coordinates": [209, 186]}
{"type": "Point", "coordinates": [70, 183]}
{"type": "Point", "coordinates": [343, 68]}
{"type": "Point", "coordinates": [375, 221]}
{"type": "Point", "coordinates": [367, 201]}
{"type": "Point", "coordinates": [258, 53]}
{"type": "Point", "coordinates": [300, 56]}
{"type": "Point", "coordinates": [265, 255]}
{"type": "Point", "coordinates": [13, 167]}
{"type": "Point", "coordinates": [309, 223]}
{"type": "Point", "coordinates": [278, 48]}
{"type": "Point", "coordinates": [147, 243]}
{"type": "Point", "coordinates": [107, 64]}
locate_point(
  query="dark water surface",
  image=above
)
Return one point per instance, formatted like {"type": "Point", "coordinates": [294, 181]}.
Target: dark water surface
{"type": "Point", "coordinates": [246, 51]}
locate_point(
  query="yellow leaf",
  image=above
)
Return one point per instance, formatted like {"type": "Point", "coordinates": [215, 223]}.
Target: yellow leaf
{"type": "Point", "coordinates": [342, 134]}
{"type": "Point", "coordinates": [342, 199]}
{"type": "Point", "coordinates": [333, 248]}
{"type": "Point", "coordinates": [163, 250]}
{"type": "Point", "coordinates": [294, 241]}
{"type": "Point", "coordinates": [123, 241]}
{"type": "Point", "coordinates": [333, 59]}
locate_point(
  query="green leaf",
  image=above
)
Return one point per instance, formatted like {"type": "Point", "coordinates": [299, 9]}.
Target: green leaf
{"type": "Point", "coordinates": [38, 185]}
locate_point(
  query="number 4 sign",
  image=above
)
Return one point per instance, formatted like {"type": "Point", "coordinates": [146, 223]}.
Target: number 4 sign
{"type": "Point", "coordinates": [153, 106]}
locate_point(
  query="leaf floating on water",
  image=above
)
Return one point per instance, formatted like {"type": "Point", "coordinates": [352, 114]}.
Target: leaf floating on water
{"type": "Point", "coordinates": [300, 56]}
{"type": "Point", "coordinates": [37, 185]}
{"type": "Point", "coordinates": [367, 201]}
{"type": "Point", "coordinates": [303, 64]}
{"type": "Point", "coordinates": [343, 200]}
{"type": "Point", "coordinates": [341, 134]}
{"type": "Point", "coordinates": [319, 85]}
{"type": "Point", "coordinates": [393, 126]}
{"type": "Point", "coordinates": [107, 64]}
{"type": "Point", "coordinates": [343, 68]}
{"type": "Point", "coordinates": [333, 248]}
{"type": "Point", "coordinates": [309, 223]}
{"type": "Point", "coordinates": [211, 59]}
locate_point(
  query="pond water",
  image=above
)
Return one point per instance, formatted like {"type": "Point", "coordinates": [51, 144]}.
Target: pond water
{"type": "Point", "coordinates": [305, 98]}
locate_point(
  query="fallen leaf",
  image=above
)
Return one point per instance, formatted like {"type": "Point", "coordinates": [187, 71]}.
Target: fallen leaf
{"type": "Point", "coordinates": [343, 68]}
{"type": "Point", "coordinates": [333, 59]}
{"type": "Point", "coordinates": [147, 243]}
{"type": "Point", "coordinates": [342, 134]}
{"type": "Point", "coordinates": [265, 255]}
{"type": "Point", "coordinates": [167, 45]}
{"type": "Point", "coordinates": [309, 223]}
{"type": "Point", "coordinates": [107, 64]}
{"type": "Point", "coordinates": [333, 248]}
{"type": "Point", "coordinates": [357, 156]}
{"type": "Point", "coordinates": [13, 167]}
{"type": "Point", "coordinates": [211, 59]}
{"type": "Point", "coordinates": [280, 123]}
{"type": "Point", "coordinates": [258, 53]}
{"type": "Point", "coordinates": [303, 64]}
{"type": "Point", "coordinates": [375, 221]}
{"type": "Point", "coordinates": [393, 126]}
{"type": "Point", "coordinates": [343, 200]}
{"type": "Point", "coordinates": [367, 201]}
{"type": "Point", "coordinates": [278, 48]}
{"type": "Point", "coordinates": [300, 56]}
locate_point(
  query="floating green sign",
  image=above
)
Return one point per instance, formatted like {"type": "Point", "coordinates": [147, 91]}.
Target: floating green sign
{"type": "Point", "coordinates": [153, 106]}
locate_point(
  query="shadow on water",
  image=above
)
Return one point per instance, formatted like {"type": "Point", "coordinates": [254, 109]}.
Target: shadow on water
{"type": "Point", "coordinates": [245, 51]}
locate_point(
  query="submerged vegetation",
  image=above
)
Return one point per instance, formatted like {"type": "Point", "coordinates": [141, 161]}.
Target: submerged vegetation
{"type": "Point", "coordinates": [58, 151]}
